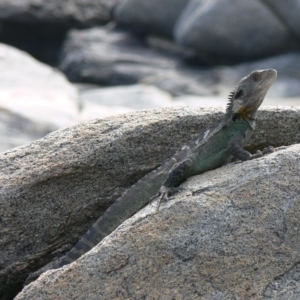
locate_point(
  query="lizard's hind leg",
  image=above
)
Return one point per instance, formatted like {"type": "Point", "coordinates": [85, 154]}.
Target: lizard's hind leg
{"type": "Point", "coordinates": [177, 175]}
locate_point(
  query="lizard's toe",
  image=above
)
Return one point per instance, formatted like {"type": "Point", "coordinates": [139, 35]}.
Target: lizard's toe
{"type": "Point", "coordinates": [162, 195]}
{"type": "Point", "coordinates": [268, 150]}
{"type": "Point", "coordinates": [256, 155]}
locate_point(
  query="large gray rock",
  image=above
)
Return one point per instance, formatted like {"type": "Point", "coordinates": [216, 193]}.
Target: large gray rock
{"type": "Point", "coordinates": [16, 130]}
{"type": "Point", "coordinates": [113, 57]}
{"type": "Point", "coordinates": [39, 27]}
{"type": "Point", "coordinates": [105, 56]}
{"type": "Point", "coordinates": [288, 11]}
{"type": "Point", "coordinates": [231, 31]}
{"type": "Point", "coordinates": [232, 233]}
{"type": "Point", "coordinates": [34, 90]}
{"type": "Point", "coordinates": [67, 13]}
{"type": "Point", "coordinates": [153, 16]}
{"type": "Point", "coordinates": [54, 189]}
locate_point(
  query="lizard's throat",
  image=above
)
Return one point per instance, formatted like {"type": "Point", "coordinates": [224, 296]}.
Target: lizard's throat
{"type": "Point", "coordinates": [246, 112]}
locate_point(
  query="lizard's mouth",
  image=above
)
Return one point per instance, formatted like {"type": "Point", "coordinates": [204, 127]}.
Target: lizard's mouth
{"type": "Point", "coordinates": [264, 86]}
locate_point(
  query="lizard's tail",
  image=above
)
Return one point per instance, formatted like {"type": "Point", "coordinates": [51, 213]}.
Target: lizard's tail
{"type": "Point", "coordinates": [92, 237]}
{"type": "Point", "coordinates": [123, 208]}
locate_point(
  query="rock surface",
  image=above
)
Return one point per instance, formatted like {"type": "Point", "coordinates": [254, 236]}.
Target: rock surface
{"type": "Point", "coordinates": [68, 13]}
{"type": "Point", "coordinates": [16, 130]}
{"type": "Point", "coordinates": [227, 235]}
{"type": "Point", "coordinates": [48, 195]}
{"type": "Point", "coordinates": [102, 102]}
{"type": "Point", "coordinates": [112, 57]}
{"type": "Point", "coordinates": [247, 30]}
{"type": "Point", "coordinates": [107, 56]}
{"type": "Point", "coordinates": [54, 189]}
{"type": "Point", "coordinates": [93, 55]}
{"type": "Point", "coordinates": [34, 90]}
{"type": "Point", "coordinates": [48, 22]}
{"type": "Point", "coordinates": [288, 12]}
{"type": "Point", "coordinates": [144, 16]}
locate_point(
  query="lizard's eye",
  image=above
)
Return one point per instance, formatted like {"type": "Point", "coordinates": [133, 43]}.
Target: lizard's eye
{"type": "Point", "coordinates": [239, 94]}
{"type": "Point", "coordinates": [256, 77]}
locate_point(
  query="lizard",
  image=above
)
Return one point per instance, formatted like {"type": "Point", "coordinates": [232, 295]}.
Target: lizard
{"type": "Point", "coordinates": [212, 148]}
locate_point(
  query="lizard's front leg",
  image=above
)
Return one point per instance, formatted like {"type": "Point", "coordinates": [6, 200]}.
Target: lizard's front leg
{"type": "Point", "coordinates": [177, 175]}
{"type": "Point", "coordinates": [238, 152]}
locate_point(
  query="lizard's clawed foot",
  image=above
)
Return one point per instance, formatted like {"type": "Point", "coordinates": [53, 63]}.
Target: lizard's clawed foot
{"type": "Point", "coordinates": [163, 195]}
{"type": "Point", "coordinates": [268, 150]}
{"type": "Point", "coordinates": [256, 155]}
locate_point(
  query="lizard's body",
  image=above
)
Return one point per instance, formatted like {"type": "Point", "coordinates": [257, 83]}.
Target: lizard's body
{"type": "Point", "coordinates": [211, 149]}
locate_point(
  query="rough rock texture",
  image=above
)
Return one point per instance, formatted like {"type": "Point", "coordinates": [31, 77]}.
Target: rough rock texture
{"type": "Point", "coordinates": [112, 57]}
{"type": "Point", "coordinates": [247, 30]}
{"type": "Point", "coordinates": [54, 189]}
{"type": "Point", "coordinates": [227, 235]}
{"type": "Point", "coordinates": [16, 130]}
{"type": "Point", "coordinates": [154, 16]}
{"type": "Point", "coordinates": [34, 90]}
{"type": "Point", "coordinates": [68, 13]}
{"type": "Point", "coordinates": [285, 286]}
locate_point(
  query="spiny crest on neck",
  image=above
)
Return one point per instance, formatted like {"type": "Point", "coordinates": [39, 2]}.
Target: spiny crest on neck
{"type": "Point", "coordinates": [243, 112]}
{"type": "Point", "coordinates": [230, 102]}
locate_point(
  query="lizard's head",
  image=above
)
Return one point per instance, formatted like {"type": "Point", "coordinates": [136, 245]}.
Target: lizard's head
{"type": "Point", "coordinates": [250, 93]}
